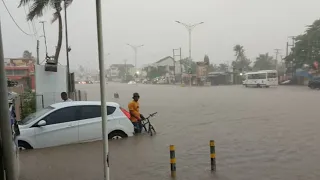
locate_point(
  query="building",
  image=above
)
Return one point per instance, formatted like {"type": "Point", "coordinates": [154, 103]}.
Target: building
{"type": "Point", "coordinates": [169, 64]}
{"type": "Point", "coordinates": [217, 78]}
{"type": "Point", "coordinates": [116, 70]}
{"type": "Point", "coordinates": [21, 70]}
{"type": "Point", "coordinates": [166, 68]}
{"type": "Point", "coordinates": [202, 72]}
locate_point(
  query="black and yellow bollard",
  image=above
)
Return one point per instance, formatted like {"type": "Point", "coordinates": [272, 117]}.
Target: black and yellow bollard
{"type": "Point", "coordinates": [212, 155]}
{"type": "Point", "coordinates": [172, 161]}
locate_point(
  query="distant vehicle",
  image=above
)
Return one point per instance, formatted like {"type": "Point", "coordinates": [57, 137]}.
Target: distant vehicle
{"type": "Point", "coordinates": [72, 122]}
{"type": "Point", "coordinates": [89, 82]}
{"type": "Point", "coordinates": [265, 78]}
{"type": "Point", "coordinates": [162, 81]}
{"type": "Point", "coordinates": [314, 83]}
{"type": "Point", "coordinates": [132, 82]}
{"type": "Point", "coordinates": [146, 81]}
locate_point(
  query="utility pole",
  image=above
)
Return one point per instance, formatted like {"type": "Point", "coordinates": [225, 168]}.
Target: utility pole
{"type": "Point", "coordinates": [125, 70]}
{"type": "Point", "coordinates": [5, 126]}
{"type": "Point", "coordinates": [189, 27]}
{"type": "Point", "coordinates": [38, 61]}
{"type": "Point", "coordinates": [277, 51]}
{"type": "Point", "coordinates": [287, 49]}
{"type": "Point", "coordinates": [68, 49]}
{"type": "Point", "coordinates": [292, 45]}
{"type": "Point", "coordinates": [45, 37]}
{"type": "Point", "coordinates": [135, 49]}
{"type": "Point", "coordinates": [174, 55]}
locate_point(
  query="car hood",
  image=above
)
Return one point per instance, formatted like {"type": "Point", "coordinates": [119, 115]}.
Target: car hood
{"type": "Point", "coordinates": [23, 126]}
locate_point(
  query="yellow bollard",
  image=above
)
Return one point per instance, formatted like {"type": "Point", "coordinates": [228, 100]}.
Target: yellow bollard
{"type": "Point", "coordinates": [172, 161]}
{"type": "Point", "coordinates": [212, 155]}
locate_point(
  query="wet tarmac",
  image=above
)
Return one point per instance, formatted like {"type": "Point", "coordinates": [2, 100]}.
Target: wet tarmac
{"type": "Point", "coordinates": [265, 134]}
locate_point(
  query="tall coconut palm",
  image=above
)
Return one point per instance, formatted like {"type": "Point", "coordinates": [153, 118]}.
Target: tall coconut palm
{"type": "Point", "coordinates": [239, 50]}
{"type": "Point", "coordinates": [37, 9]}
{"type": "Point", "coordinates": [264, 62]}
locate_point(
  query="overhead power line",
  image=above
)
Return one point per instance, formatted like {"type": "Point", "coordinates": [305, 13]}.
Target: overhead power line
{"type": "Point", "coordinates": [15, 20]}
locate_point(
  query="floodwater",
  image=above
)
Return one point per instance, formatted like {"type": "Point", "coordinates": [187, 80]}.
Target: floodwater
{"type": "Point", "coordinates": [265, 134]}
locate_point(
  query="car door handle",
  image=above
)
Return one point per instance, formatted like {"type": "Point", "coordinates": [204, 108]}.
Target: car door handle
{"type": "Point", "coordinates": [71, 125]}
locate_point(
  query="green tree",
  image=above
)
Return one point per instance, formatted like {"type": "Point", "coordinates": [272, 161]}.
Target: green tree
{"type": "Point", "coordinates": [239, 52]}
{"type": "Point", "coordinates": [186, 64]}
{"type": "Point", "coordinates": [213, 68]}
{"type": "Point", "coordinates": [264, 62]}
{"type": "Point", "coordinates": [38, 8]}
{"type": "Point", "coordinates": [28, 104]}
{"type": "Point", "coordinates": [241, 62]}
{"type": "Point", "coordinates": [154, 72]}
{"type": "Point", "coordinates": [122, 71]}
{"type": "Point", "coordinates": [223, 67]}
{"type": "Point", "coordinates": [206, 59]}
{"type": "Point", "coordinates": [306, 49]}
{"type": "Point", "coordinates": [27, 54]}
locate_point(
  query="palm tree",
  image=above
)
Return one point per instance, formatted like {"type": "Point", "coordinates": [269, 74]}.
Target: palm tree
{"type": "Point", "coordinates": [239, 52]}
{"type": "Point", "coordinates": [37, 9]}
{"type": "Point", "coordinates": [264, 62]}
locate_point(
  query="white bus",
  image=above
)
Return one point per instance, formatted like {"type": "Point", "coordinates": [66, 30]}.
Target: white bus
{"type": "Point", "coordinates": [265, 78]}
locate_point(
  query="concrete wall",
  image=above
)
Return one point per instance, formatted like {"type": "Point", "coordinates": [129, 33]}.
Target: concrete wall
{"type": "Point", "coordinates": [50, 85]}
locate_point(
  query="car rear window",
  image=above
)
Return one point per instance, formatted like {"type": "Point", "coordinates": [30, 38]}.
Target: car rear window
{"type": "Point", "coordinates": [110, 109]}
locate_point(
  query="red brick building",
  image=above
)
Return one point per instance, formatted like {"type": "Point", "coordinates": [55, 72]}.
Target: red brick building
{"type": "Point", "coordinates": [21, 70]}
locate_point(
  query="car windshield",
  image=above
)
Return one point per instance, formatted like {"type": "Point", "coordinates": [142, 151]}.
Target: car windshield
{"type": "Point", "coordinates": [35, 115]}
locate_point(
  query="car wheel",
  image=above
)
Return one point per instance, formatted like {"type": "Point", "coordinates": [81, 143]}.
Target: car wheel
{"type": "Point", "coordinates": [117, 135]}
{"type": "Point", "coordinates": [22, 145]}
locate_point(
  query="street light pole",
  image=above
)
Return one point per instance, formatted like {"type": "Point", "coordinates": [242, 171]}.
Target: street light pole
{"type": "Point", "coordinates": [189, 27]}
{"type": "Point", "coordinates": [106, 175]}
{"type": "Point", "coordinates": [277, 51]}
{"type": "Point", "coordinates": [190, 45]}
{"type": "Point", "coordinates": [135, 49]}
{"type": "Point", "coordinates": [67, 46]}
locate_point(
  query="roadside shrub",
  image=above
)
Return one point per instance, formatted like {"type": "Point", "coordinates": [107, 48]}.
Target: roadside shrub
{"type": "Point", "coordinates": [28, 103]}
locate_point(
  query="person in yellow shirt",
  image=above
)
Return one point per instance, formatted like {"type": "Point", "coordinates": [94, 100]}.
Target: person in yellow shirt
{"type": "Point", "coordinates": [136, 117]}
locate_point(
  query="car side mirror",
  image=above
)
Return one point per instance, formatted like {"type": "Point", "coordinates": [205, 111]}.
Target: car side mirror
{"type": "Point", "coordinates": [42, 123]}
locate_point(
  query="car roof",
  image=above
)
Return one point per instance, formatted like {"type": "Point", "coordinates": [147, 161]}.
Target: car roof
{"type": "Point", "coordinates": [81, 103]}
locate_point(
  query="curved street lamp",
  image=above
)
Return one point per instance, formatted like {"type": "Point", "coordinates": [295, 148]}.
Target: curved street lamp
{"type": "Point", "coordinates": [135, 49]}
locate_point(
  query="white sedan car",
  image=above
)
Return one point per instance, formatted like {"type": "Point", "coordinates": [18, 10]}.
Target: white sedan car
{"type": "Point", "coordinates": [72, 122]}
{"type": "Point", "coordinates": [132, 82]}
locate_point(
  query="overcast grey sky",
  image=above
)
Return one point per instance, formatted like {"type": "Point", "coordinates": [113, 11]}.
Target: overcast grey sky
{"type": "Point", "coordinates": [259, 25]}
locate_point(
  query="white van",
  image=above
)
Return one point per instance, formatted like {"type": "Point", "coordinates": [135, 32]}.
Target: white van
{"type": "Point", "coordinates": [265, 78]}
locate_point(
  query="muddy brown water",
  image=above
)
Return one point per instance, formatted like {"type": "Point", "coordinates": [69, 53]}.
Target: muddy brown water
{"type": "Point", "coordinates": [259, 133]}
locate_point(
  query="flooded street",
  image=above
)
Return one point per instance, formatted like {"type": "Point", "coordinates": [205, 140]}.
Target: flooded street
{"type": "Point", "coordinates": [259, 133]}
